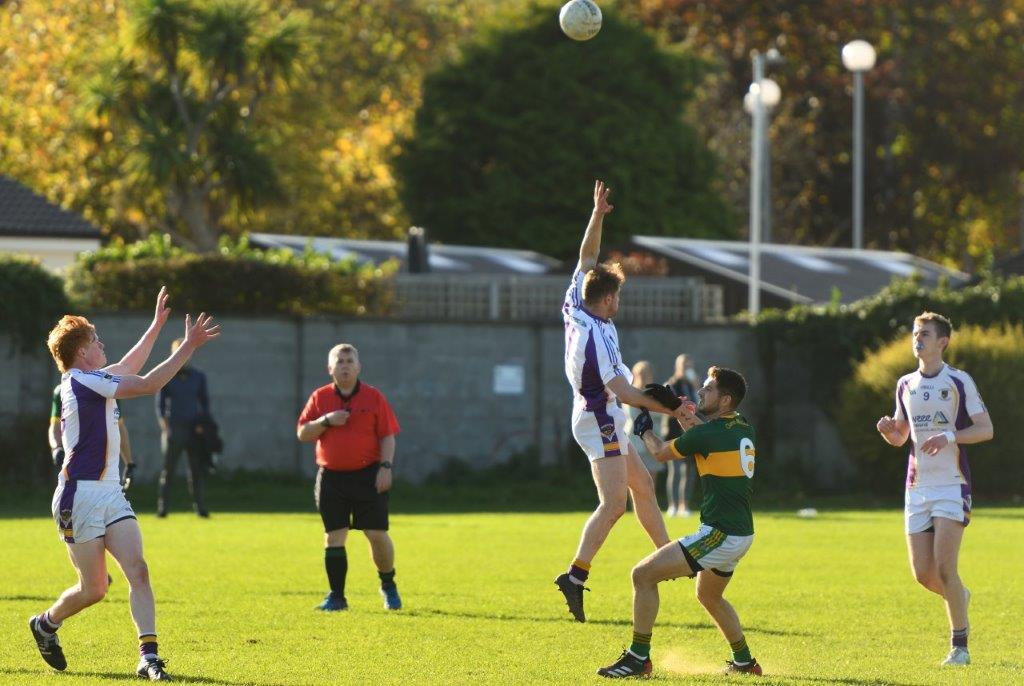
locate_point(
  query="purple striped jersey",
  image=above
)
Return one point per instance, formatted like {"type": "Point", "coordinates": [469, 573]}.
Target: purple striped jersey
{"type": "Point", "coordinates": [931, 405]}
{"type": "Point", "coordinates": [89, 414]}
{"type": "Point", "coordinates": [592, 356]}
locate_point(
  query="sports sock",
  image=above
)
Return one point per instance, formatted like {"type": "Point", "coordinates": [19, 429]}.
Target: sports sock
{"type": "Point", "coordinates": [579, 571]}
{"type": "Point", "coordinates": [959, 638]}
{"type": "Point", "coordinates": [387, 579]}
{"type": "Point", "coordinates": [147, 645]}
{"type": "Point", "coordinates": [45, 624]}
{"type": "Point", "coordinates": [641, 645]}
{"type": "Point", "coordinates": [336, 562]}
{"type": "Point", "coordinates": [740, 651]}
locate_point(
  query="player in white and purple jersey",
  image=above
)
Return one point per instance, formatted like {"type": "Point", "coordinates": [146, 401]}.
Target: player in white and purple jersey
{"type": "Point", "coordinates": [600, 383]}
{"type": "Point", "coordinates": [90, 509]}
{"type": "Point", "coordinates": [940, 410]}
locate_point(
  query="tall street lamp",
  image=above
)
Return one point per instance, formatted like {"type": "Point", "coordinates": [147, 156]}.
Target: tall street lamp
{"type": "Point", "coordinates": [858, 57]}
{"type": "Point", "coordinates": [771, 94]}
{"type": "Point", "coordinates": [759, 92]}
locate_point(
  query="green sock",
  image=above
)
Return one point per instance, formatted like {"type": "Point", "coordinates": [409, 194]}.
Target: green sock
{"type": "Point", "coordinates": [641, 645]}
{"type": "Point", "coordinates": [740, 651]}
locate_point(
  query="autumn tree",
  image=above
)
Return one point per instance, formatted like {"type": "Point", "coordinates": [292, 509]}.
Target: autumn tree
{"type": "Point", "coordinates": [945, 115]}
{"type": "Point", "coordinates": [329, 136]}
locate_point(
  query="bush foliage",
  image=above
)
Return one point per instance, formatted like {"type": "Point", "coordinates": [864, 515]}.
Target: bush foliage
{"type": "Point", "coordinates": [833, 339]}
{"type": "Point", "coordinates": [237, 279]}
{"type": "Point", "coordinates": [31, 299]}
{"type": "Point", "coordinates": [991, 356]}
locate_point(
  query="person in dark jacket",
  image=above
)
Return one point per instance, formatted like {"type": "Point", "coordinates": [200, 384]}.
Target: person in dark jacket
{"type": "Point", "coordinates": [182, 409]}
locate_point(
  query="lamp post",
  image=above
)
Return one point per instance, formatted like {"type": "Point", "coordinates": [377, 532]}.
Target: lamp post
{"type": "Point", "coordinates": [858, 57]}
{"type": "Point", "coordinates": [759, 93]}
{"type": "Point", "coordinates": [770, 96]}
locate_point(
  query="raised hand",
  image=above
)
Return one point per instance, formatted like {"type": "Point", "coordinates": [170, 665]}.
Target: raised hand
{"type": "Point", "coordinates": [601, 204]}
{"type": "Point", "coordinates": [202, 332]}
{"type": "Point", "coordinates": [162, 311]}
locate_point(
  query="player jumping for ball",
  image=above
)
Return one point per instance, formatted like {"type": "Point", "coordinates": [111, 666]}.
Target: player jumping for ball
{"type": "Point", "coordinates": [89, 507]}
{"type": "Point", "coordinates": [600, 381]}
{"type": "Point", "coordinates": [723, 446]}
{"type": "Point", "coordinates": [939, 409]}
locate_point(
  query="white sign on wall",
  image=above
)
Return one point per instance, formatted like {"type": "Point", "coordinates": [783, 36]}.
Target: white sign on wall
{"type": "Point", "coordinates": [509, 379]}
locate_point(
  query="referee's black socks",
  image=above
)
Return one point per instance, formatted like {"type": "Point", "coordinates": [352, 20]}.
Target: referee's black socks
{"type": "Point", "coordinates": [387, 579]}
{"type": "Point", "coordinates": [336, 562]}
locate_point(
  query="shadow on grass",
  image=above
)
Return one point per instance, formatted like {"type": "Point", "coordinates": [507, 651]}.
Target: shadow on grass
{"type": "Point", "coordinates": [123, 676]}
{"type": "Point", "coordinates": [846, 680]}
{"type": "Point", "coordinates": [429, 612]}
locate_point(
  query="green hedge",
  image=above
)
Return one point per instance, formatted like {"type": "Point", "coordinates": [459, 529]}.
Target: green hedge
{"type": "Point", "coordinates": [833, 339]}
{"type": "Point", "coordinates": [237, 279]}
{"type": "Point", "coordinates": [992, 357]}
{"type": "Point", "coordinates": [31, 300]}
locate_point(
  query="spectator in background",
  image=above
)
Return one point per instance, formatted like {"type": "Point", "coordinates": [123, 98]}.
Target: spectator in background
{"type": "Point", "coordinates": [643, 374]}
{"type": "Point", "coordinates": [182, 408]}
{"type": "Point", "coordinates": [681, 480]}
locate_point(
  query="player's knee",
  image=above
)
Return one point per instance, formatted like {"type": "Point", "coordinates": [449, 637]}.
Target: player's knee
{"type": "Point", "coordinates": [925, 577]}
{"type": "Point", "coordinates": [94, 592]}
{"type": "Point", "coordinates": [709, 600]}
{"type": "Point", "coordinates": [641, 575]}
{"type": "Point", "coordinates": [947, 574]}
{"type": "Point", "coordinates": [137, 572]}
{"type": "Point", "coordinates": [612, 510]}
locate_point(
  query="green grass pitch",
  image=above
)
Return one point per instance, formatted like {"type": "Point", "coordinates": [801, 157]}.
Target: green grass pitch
{"type": "Point", "coordinates": [824, 601]}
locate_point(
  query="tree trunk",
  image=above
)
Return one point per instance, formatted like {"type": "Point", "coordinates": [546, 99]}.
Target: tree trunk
{"type": "Point", "coordinates": [191, 206]}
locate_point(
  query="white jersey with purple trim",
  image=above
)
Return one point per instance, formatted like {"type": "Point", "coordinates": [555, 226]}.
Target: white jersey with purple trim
{"type": "Point", "coordinates": [931, 405]}
{"type": "Point", "coordinates": [592, 357]}
{"type": "Point", "coordinates": [89, 415]}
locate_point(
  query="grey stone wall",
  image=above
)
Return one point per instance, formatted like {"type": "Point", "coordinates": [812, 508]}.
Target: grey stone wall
{"type": "Point", "coordinates": [438, 377]}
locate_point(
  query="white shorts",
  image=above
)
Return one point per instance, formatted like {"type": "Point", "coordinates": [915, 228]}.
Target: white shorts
{"type": "Point", "coordinates": [715, 550]}
{"type": "Point", "coordinates": [602, 432]}
{"type": "Point", "coordinates": [923, 503]}
{"type": "Point", "coordinates": [84, 509]}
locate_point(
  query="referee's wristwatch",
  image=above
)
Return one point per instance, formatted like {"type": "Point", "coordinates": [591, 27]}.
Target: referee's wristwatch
{"type": "Point", "coordinates": [324, 422]}
{"type": "Point", "coordinates": [385, 464]}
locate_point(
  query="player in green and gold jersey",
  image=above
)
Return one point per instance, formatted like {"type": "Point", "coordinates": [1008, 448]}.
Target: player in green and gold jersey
{"type": "Point", "coordinates": [722, 441]}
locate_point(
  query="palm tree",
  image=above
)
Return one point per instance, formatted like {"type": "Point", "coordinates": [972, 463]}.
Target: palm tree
{"type": "Point", "coordinates": [186, 88]}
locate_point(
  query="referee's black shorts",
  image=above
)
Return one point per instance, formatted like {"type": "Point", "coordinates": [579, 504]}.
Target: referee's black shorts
{"type": "Point", "coordinates": [349, 500]}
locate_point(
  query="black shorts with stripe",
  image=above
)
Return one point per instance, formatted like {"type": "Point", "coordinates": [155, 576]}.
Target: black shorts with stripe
{"type": "Point", "coordinates": [349, 500]}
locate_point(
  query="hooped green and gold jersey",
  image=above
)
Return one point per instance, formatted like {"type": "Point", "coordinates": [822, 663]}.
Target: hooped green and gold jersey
{"type": "Point", "coordinates": [723, 450]}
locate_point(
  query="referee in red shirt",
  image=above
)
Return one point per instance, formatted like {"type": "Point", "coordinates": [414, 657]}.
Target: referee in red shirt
{"type": "Point", "coordinates": [354, 428]}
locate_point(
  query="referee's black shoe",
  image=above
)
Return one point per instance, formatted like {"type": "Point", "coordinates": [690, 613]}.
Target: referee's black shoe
{"type": "Point", "coordinates": [49, 646]}
{"type": "Point", "coordinates": [628, 665]}
{"type": "Point", "coordinates": [573, 593]}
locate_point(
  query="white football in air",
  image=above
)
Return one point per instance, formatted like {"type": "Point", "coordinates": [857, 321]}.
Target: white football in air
{"type": "Point", "coordinates": [580, 19]}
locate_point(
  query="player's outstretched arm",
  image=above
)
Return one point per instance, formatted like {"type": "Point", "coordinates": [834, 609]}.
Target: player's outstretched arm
{"type": "Point", "coordinates": [591, 246]}
{"type": "Point", "coordinates": [196, 336]}
{"type": "Point", "coordinates": [894, 431]}
{"type": "Point", "coordinates": [135, 359]}
{"type": "Point", "coordinates": [631, 395]}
